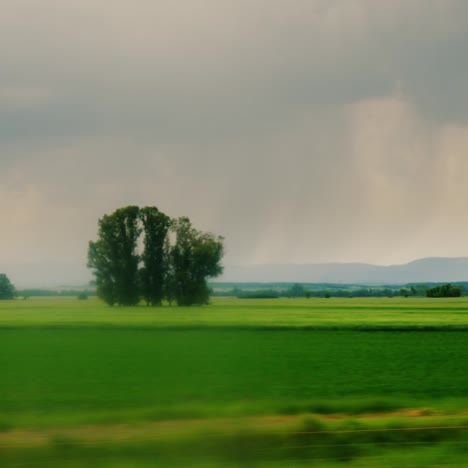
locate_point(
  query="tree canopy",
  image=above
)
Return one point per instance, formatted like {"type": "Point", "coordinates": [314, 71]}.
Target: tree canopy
{"type": "Point", "coordinates": [194, 257]}
{"type": "Point", "coordinates": [141, 253]}
{"type": "Point", "coordinates": [7, 290]}
{"type": "Point", "coordinates": [154, 270]}
{"type": "Point", "coordinates": [446, 290]}
{"type": "Point", "coordinates": [114, 259]}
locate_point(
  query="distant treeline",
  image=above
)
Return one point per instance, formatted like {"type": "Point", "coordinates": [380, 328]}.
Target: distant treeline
{"type": "Point", "coordinates": [446, 290]}
{"type": "Point", "coordinates": [52, 292]}
{"type": "Point", "coordinates": [307, 290]}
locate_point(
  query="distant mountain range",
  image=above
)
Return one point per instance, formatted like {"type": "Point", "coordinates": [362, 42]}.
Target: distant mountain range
{"type": "Point", "coordinates": [426, 270]}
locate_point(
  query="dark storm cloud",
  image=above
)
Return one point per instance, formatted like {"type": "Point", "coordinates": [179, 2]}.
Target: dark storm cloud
{"type": "Point", "coordinates": [205, 70]}
{"type": "Point", "coordinates": [301, 130]}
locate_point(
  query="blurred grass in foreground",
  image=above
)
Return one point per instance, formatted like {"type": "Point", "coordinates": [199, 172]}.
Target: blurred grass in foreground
{"type": "Point", "coordinates": [301, 441]}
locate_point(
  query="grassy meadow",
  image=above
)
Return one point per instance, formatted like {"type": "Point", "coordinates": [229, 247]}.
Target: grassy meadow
{"type": "Point", "coordinates": [283, 382]}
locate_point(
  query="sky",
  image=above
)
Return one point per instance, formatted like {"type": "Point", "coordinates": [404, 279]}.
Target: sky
{"type": "Point", "coordinates": [301, 130]}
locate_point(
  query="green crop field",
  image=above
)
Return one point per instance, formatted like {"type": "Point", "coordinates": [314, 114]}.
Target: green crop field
{"type": "Point", "coordinates": [283, 382]}
{"type": "Point", "coordinates": [385, 313]}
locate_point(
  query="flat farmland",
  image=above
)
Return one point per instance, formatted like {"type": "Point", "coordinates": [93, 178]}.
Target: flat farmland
{"type": "Point", "coordinates": [347, 363]}
{"type": "Point", "coordinates": [52, 376]}
{"type": "Point", "coordinates": [349, 313]}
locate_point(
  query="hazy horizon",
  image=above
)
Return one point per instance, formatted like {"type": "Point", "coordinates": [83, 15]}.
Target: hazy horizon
{"type": "Point", "coordinates": [303, 132]}
{"type": "Point", "coordinates": [43, 275]}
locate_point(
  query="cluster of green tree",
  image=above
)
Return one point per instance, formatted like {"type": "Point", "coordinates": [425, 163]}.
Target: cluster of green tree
{"type": "Point", "coordinates": [7, 290]}
{"type": "Point", "coordinates": [297, 290]}
{"type": "Point", "coordinates": [174, 263]}
{"type": "Point", "coordinates": [259, 294]}
{"type": "Point", "coordinates": [422, 289]}
{"type": "Point", "coordinates": [446, 290]}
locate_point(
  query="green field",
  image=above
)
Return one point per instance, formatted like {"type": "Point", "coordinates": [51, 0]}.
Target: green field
{"type": "Point", "coordinates": [83, 382]}
{"type": "Point", "coordinates": [405, 313]}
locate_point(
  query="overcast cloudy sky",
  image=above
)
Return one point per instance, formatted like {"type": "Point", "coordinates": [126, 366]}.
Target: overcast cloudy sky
{"type": "Point", "coordinates": [301, 130]}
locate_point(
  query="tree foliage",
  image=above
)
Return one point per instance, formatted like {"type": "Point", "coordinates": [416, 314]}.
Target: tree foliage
{"type": "Point", "coordinates": [446, 290]}
{"type": "Point", "coordinates": [194, 257]}
{"type": "Point", "coordinates": [7, 290]}
{"type": "Point", "coordinates": [297, 290]}
{"type": "Point", "coordinates": [175, 262]}
{"type": "Point", "coordinates": [154, 271]}
{"type": "Point", "coordinates": [114, 259]}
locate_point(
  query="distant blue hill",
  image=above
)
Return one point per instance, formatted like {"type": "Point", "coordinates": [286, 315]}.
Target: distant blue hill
{"type": "Point", "coordinates": [426, 270]}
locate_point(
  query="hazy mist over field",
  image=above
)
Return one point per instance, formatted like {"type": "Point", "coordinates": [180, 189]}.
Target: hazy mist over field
{"type": "Point", "coordinates": [303, 131]}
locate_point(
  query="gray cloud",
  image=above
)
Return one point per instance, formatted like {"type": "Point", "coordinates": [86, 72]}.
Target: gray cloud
{"type": "Point", "coordinates": [302, 130]}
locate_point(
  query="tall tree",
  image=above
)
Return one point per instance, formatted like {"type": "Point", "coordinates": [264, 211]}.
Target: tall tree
{"type": "Point", "coordinates": [114, 258]}
{"type": "Point", "coordinates": [169, 277]}
{"type": "Point", "coordinates": [7, 290]}
{"type": "Point", "coordinates": [154, 271]}
{"type": "Point", "coordinates": [195, 256]}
